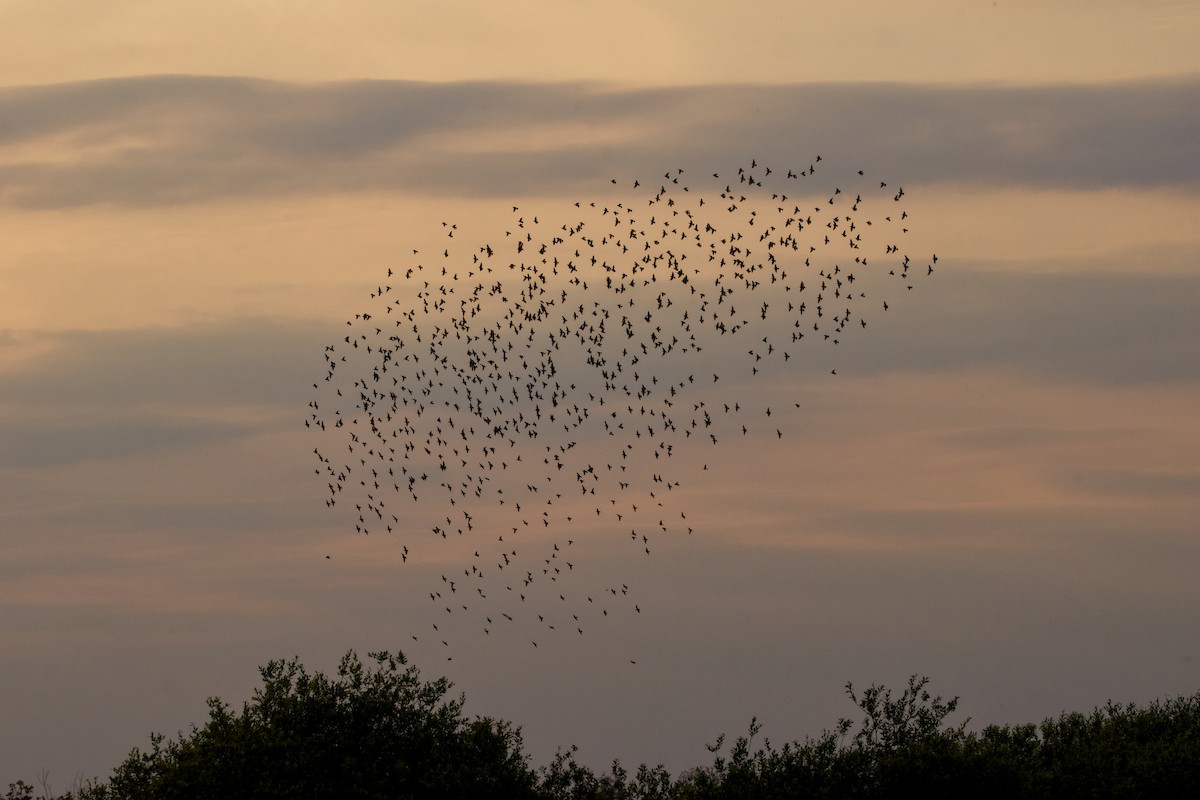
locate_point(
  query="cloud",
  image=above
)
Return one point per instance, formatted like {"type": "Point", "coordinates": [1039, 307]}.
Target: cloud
{"type": "Point", "coordinates": [44, 443]}
{"type": "Point", "coordinates": [99, 395]}
{"type": "Point", "coordinates": [1154, 484]}
{"type": "Point", "coordinates": [237, 363]}
{"type": "Point", "coordinates": [1107, 329]}
{"type": "Point", "coordinates": [172, 139]}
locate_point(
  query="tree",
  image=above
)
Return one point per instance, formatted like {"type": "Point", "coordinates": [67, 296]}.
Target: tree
{"type": "Point", "coordinates": [372, 732]}
{"type": "Point", "coordinates": [899, 749]}
{"type": "Point", "coordinates": [378, 731]}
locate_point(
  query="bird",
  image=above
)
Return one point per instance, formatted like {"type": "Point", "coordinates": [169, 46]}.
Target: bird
{"type": "Point", "coordinates": [498, 381]}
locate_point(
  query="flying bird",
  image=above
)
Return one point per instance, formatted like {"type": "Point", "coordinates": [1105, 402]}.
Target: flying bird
{"type": "Point", "coordinates": [511, 381]}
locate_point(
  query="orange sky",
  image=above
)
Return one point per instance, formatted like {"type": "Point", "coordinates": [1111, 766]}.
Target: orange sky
{"type": "Point", "coordinates": [999, 490]}
{"type": "Point", "coordinates": [657, 43]}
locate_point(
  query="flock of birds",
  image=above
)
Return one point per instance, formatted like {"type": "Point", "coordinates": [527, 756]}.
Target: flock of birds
{"type": "Point", "coordinates": [528, 399]}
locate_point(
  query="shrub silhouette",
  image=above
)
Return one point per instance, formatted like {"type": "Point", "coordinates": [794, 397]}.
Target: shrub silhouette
{"type": "Point", "coordinates": [378, 731]}
{"type": "Point", "coordinates": [373, 732]}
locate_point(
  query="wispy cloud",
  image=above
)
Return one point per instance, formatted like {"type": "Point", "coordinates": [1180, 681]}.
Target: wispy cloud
{"type": "Point", "coordinates": [171, 139]}
{"type": "Point", "coordinates": [104, 395]}
{"type": "Point", "coordinates": [234, 363]}
{"type": "Point", "coordinates": [1073, 328]}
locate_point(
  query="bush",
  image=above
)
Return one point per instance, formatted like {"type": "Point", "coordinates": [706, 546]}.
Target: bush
{"type": "Point", "coordinates": [377, 732]}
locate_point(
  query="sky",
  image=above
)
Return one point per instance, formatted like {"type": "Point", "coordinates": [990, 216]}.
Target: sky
{"type": "Point", "coordinates": [998, 489]}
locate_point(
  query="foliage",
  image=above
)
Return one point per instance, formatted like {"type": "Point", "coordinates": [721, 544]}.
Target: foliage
{"type": "Point", "coordinates": [370, 733]}
{"type": "Point", "coordinates": [566, 779]}
{"type": "Point", "coordinates": [903, 747]}
{"type": "Point", "coordinates": [19, 791]}
{"type": "Point", "coordinates": [376, 732]}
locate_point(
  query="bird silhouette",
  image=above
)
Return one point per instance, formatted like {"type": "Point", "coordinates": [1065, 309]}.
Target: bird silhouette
{"type": "Point", "coordinates": [550, 368]}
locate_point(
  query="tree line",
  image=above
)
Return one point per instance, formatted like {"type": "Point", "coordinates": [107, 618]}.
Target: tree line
{"type": "Point", "coordinates": [378, 730]}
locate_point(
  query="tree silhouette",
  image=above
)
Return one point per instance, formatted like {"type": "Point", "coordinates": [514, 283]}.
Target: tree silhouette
{"type": "Point", "coordinates": [378, 731]}
{"type": "Point", "coordinates": [374, 731]}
